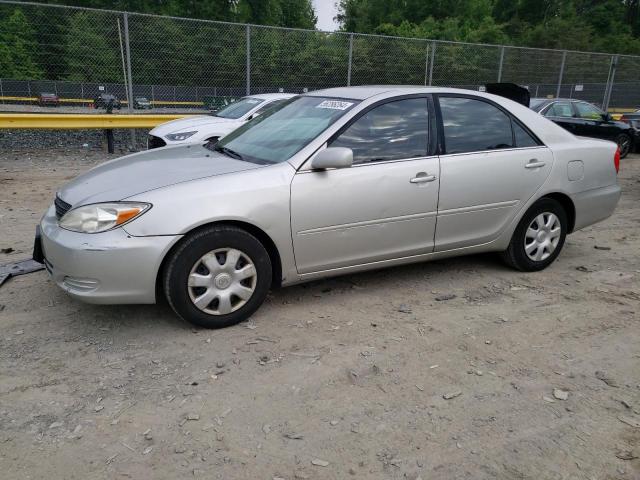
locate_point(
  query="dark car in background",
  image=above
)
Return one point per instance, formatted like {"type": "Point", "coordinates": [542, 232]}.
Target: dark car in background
{"type": "Point", "coordinates": [633, 120]}
{"type": "Point", "coordinates": [142, 103]}
{"type": "Point", "coordinates": [48, 99]}
{"type": "Point", "coordinates": [102, 100]}
{"type": "Point", "coordinates": [586, 120]}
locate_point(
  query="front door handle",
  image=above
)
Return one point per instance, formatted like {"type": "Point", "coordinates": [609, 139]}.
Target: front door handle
{"type": "Point", "coordinates": [422, 177]}
{"type": "Point", "coordinates": [534, 163]}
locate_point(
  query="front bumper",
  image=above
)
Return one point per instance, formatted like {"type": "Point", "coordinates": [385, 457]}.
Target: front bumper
{"type": "Point", "coordinates": [110, 268]}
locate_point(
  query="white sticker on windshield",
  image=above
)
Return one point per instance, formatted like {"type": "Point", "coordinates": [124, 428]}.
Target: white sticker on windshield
{"type": "Point", "coordinates": [335, 104]}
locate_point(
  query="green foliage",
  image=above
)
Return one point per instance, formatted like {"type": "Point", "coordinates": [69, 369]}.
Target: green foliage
{"type": "Point", "coordinates": [18, 47]}
{"type": "Point", "coordinates": [605, 25]}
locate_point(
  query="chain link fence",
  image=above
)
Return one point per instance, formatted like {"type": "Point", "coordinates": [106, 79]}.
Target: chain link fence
{"type": "Point", "coordinates": [78, 52]}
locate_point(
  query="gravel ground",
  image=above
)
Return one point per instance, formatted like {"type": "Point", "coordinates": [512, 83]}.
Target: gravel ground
{"type": "Point", "coordinates": [519, 376]}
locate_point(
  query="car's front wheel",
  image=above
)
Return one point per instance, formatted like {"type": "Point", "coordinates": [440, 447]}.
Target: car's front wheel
{"type": "Point", "coordinates": [624, 144]}
{"type": "Point", "coordinates": [217, 277]}
{"type": "Point", "coordinates": [539, 237]}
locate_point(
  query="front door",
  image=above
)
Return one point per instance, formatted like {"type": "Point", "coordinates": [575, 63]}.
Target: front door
{"type": "Point", "coordinates": [383, 207]}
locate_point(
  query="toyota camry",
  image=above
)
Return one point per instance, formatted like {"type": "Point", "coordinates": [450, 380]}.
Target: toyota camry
{"type": "Point", "coordinates": [331, 182]}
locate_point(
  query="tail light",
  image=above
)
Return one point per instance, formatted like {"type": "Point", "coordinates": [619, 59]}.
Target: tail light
{"type": "Point", "coordinates": [616, 160]}
{"type": "Point", "coordinates": [624, 119]}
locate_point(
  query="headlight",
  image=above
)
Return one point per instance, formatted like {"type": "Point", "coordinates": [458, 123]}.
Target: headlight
{"type": "Point", "coordinates": [178, 137]}
{"type": "Point", "coordinates": [101, 217]}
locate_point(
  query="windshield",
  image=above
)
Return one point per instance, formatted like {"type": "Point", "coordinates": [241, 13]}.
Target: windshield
{"type": "Point", "coordinates": [535, 102]}
{"type": "Point", "coordinates": [280, 133]}
{"type": "Point", "coordinates": [239, 108]}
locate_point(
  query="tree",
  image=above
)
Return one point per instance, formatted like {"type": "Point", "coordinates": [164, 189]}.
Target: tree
{"type": "Point", "coordinates": [18, 48]}
{"type": "Point", "coordinates": [92, 51]}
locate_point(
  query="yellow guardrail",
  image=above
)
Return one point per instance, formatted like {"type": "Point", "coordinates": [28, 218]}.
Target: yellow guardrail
{"type": "Point", "coordinates": [90, 100]}
{"type": "Point", "coordinates": [82, 121]}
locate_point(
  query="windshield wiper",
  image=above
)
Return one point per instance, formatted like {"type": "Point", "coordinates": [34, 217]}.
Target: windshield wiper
{"type": "Point", "coordinates": [228, 152]}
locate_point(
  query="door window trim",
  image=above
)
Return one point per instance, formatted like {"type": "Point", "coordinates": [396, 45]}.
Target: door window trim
{"type": "Point", "coordinates": [441, 140]}
{"type": "Point", "coordinates": [432, 131]}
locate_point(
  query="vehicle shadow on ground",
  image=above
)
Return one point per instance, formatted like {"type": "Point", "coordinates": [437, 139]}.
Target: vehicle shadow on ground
{"type": "Point", "coordinates": [440, 275]}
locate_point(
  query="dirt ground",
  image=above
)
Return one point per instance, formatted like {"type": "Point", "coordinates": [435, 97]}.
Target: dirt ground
{"type": "Point", "coordinates": [344, 378]}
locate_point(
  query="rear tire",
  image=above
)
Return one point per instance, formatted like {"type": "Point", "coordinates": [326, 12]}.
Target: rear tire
{"type": "Point", "coordinates": [217, 277]}
{"type": "Point", "coordinates": [538, 238]}
{"type": "Point", "coordinates": [624, 144]}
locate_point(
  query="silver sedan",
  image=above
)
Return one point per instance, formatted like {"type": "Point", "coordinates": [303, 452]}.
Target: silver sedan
{"type": "Point", "coordinates": [333, 182]}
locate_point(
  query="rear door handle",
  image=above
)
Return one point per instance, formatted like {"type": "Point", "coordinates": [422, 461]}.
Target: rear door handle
{"type": "Point", "coordinates": [422, 177]}
{"type": "Point", "coordinates": [534, 163]}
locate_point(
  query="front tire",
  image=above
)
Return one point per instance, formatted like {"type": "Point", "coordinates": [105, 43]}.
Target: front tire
{"type": "Point", "coordinates": [538, 238]}
{"type": "Point", "coordinates": [217, 277]}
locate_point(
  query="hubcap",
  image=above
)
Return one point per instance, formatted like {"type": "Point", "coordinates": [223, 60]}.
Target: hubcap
{"type": "Point", "coordinates": [222, 281]}
{"type": "Point", "coordinates": [624, 143]}
{"type": "Point", "coordinates": [542, 236]}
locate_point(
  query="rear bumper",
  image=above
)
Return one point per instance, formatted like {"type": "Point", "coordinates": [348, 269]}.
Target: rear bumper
{"type": "Point", "coordinates": [595, 205]}
{"type": "Point", "coordinates": [110, 268]}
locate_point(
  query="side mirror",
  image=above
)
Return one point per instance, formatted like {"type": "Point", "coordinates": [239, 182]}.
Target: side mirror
{"type": "Point", "coordinates": [607, 117]}
{"type": "Point", "coordinates": [333, 157]}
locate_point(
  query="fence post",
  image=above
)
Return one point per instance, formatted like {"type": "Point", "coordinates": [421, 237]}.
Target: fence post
{"type": "Point", "coordinates": [350, 59]}
{"type": "Point", "coordinates": [615, 58]}
{"type": "Point", "coordinates": [426, 66]}
{"type": "Point", "coordinates": [128, 50]}
{"type": "Point", "coordinates": [501, 61]}
{"type": "Point", "coordinates": [433, 59]}
{"type": "Point", "coordinates": [606, 87]}
{"type": "Point", "coordinates": [564, 58]}
{"type": "Point", "coordinates": [248, 74]}
{"type": "Point", "coordinates": [1, 91]}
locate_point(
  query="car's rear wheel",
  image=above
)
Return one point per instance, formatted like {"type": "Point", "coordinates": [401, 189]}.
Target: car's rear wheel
{"type": "Point", "coordinates": [624, 144]}
{"type": "Point", "coordinates": [539, 237]}
{"type": "Point", "coordinates": [217, 277]}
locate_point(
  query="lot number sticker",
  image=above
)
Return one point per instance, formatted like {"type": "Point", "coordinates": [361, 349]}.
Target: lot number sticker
{"type": "Point", "coordinates": [334, 105]}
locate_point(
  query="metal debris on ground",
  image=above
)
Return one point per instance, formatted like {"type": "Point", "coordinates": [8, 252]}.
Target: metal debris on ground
{"type": "Point", "coordinates": [18, 268]}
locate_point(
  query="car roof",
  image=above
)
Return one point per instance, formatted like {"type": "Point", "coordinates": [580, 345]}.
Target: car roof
{"type": "Point", "coordinates": [559, 100]}
{"type": "Point", "coordinates": [272, 96]}
{"type": "Point", "coordinates": [368, 91]}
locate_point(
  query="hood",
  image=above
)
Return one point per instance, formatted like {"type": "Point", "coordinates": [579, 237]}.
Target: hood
{"type": "Point", "coordinates": [134, 174]}
{"type": "Point", "coordinates": [191, 123]}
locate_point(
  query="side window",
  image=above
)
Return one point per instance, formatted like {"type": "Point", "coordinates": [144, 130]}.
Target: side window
{"type": "Point", "coordinates": [392, 131]}
{"type": "Point", "coordinates": [588, 111]}
{"type": "Point", "coordinates": [269, 106]}
{"type": "Point", "coordinates": [473, 125]}
{"type": "Point", "coordinates": [559, 109]}
{"type": "Point", "coordinates": [523, 138]}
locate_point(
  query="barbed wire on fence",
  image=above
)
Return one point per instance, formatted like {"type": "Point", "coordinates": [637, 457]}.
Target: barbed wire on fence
{"type": "Point", "coordinates": [75, 50]}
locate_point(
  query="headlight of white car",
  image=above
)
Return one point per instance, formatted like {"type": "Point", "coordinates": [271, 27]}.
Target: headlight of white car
{"type": "Point", "coordinates": [101, 217]}
{"type": "Point", "coordinates": [178, 137]}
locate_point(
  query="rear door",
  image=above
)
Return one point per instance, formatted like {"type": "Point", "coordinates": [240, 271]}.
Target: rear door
{"type": "Point", "coordinates": [490, 167]}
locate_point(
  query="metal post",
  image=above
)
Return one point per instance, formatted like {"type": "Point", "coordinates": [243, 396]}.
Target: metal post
{"type": "Point", "coordinates": [433, 59]}
{"type": "Point", "coordinates": [128, 50]}
{"type": "Point", "coordinates": [564, 58]}
{"type": "Point", "coordinates": [605, 107]}
{"type": "Point", "coordinates": [501, 62]}
{"type": "Point", "coordinates": [1, 91]}
{"type": "Point", "coordinates": [248, 88]}
{"type": "Point", "coordinates": [606, 87]}
{"type": "Point", "coordinates": [132, 136]}
{"type": "Point", "coordinates": [350, 59]}
{"type": "Point", "coordinates": [426, 66]}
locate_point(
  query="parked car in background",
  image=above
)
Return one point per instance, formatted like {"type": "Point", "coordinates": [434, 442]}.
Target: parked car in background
{"type": "Point", "coordinates": [48, 99]}
{"type": "Point", "coordinates": [102, 100]}
{"type": "Point", "coordinates": [586, 120]}
{"type": "Point", "coordinates": [335, 181]}
{"type": "Point", "coordinates": [633, 120]}
{"type": "Point", "coordinates": [142, 103]}
{"type": "Point", "coordinates": [218, 124]}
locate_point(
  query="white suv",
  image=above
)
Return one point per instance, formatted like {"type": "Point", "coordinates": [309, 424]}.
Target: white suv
{"type": "Point", "coordinates": [202, 128]}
